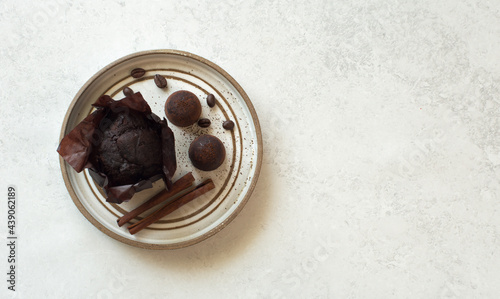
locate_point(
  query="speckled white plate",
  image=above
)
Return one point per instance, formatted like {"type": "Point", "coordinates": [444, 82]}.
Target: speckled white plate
{"type": "Point", "coordinates": [234, 180]}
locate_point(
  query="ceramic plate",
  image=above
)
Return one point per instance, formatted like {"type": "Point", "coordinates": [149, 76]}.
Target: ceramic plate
{"type": "Point", "coordinates": [234, 179]}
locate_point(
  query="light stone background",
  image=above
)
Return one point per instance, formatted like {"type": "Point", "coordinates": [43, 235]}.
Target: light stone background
{"type": "Point", "coordinates": [382, 157]}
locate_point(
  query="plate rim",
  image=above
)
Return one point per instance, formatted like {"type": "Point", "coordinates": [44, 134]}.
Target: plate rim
{"type": "Point", "coordinates": [221, 225]}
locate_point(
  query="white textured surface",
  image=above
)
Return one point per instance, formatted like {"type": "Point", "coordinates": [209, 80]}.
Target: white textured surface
{"type": "Point", "coordinates": [382, 156]}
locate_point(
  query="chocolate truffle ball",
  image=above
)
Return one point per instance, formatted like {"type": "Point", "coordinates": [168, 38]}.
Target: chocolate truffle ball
{"type": "Point", "coordinates": [183, 108]}
{"type": "Point", "coordinates": [207, 152]}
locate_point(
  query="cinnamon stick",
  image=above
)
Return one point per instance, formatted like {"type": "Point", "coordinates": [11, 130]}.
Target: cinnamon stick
{"type": "Point", "coordinates": [179, 185]}
{"type": "Point", "coordinates": [169, 208]}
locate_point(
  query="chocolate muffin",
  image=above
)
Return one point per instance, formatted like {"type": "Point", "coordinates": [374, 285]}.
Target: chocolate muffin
{"type": "Point", "coordinates": [207, 152]}
{"type": "Point", "coordinates": [130, 149]}
{"type": "Point", "coordinates": [183, 108]}
{"type": "Point", "coordinates": [124, 146]}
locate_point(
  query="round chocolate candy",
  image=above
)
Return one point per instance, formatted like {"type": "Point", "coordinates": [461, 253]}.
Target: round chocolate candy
{"type": "Point", "coordinates": [207, 152]}
{"type": "Point", "coordinates": [183, 108]}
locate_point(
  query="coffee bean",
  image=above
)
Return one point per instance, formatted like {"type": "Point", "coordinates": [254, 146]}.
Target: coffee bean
{"type": "Point", "coordinates": [228, 125]}
{"type": "Point", "coordinates": [210, 100]}
{"type": "Point", "coordinates": [138, 72]}
{"type": "Point", "coordinates": [160, 81]}
{"type": "Point", "coordinates": [127, 91]}
{"type": "Point", "coordinates": [204, 122]}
